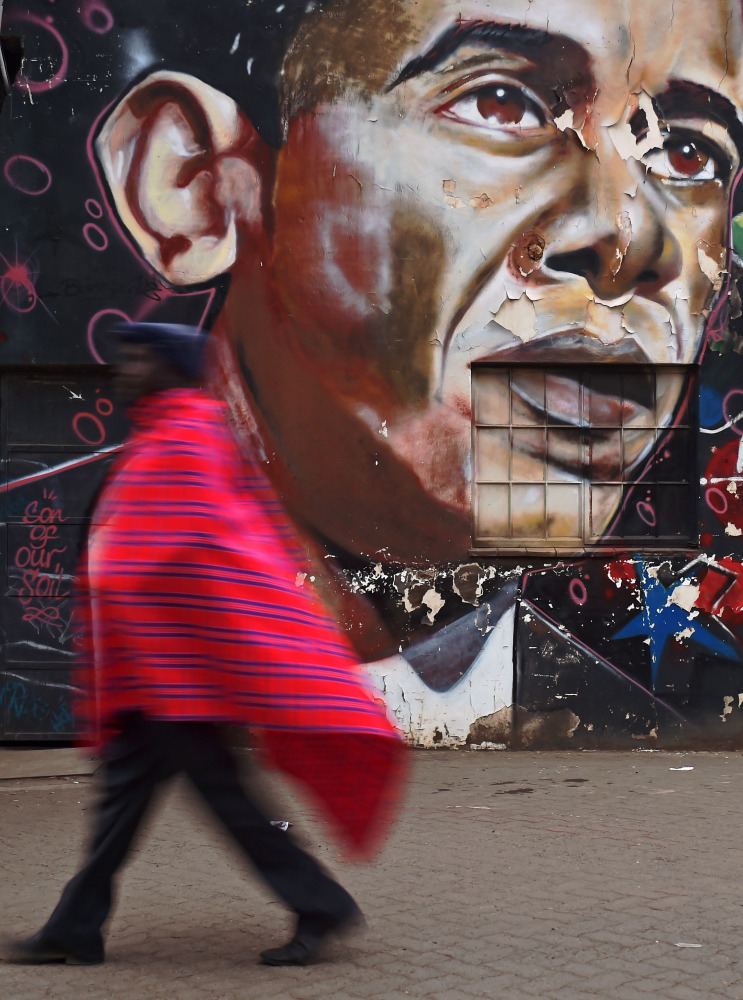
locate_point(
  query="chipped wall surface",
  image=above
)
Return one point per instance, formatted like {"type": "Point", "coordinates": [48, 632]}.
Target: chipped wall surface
{"type": "Point", "coordinates": [472, 280]}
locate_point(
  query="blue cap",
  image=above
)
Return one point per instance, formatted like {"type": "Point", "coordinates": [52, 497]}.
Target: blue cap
{"type": "Point", "coordinates": [180, 345]}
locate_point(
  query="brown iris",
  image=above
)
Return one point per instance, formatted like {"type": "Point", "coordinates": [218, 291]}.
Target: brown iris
{"type": "Point", "coordinates": [686, 158]}
{"type": "Point", "coordinates": [502, 104]}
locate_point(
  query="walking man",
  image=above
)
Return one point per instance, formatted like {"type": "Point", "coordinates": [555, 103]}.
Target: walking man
{"type": "Point", "coordinates": [194, 613]}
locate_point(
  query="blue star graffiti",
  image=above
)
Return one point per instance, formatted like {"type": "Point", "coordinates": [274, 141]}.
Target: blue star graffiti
{"type": "Point", "coordinates": [664, 618]}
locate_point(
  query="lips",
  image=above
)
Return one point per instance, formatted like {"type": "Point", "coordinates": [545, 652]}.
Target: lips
{"type": "Point", "coordinates": [581, 407]}
{"type": "Point", "coordinates": [599, 398]}
{"type": "Point", "coordinates": [564, 403]}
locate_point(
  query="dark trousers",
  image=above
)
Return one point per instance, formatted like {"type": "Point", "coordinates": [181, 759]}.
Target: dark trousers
{"type": "Point", "coordinates": [146, 753]}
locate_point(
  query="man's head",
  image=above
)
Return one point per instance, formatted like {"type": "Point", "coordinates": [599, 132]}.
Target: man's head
{"type": "Point", "coordinates": [513, 180]}
{"type": "Point", "coordinates": [152, 357]}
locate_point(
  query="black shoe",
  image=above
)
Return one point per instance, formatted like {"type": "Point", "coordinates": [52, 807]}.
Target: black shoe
{"type": "Point", "coordinates": [299, 951]}
{"type": "Point", "coordinates": [38, 950]}
{"type": "Point", "coordinates": [306, 943]}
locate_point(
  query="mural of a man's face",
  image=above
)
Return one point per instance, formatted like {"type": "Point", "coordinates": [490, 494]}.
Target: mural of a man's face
{"type": "Point", "coordinates": [511, 180]}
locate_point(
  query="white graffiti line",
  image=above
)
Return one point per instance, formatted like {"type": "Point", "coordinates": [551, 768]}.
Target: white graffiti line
{"type": "Point", "coordinates": [59, 685]}
{"type": "Point", "coordinates": [722, 427]}
{"type": "Point", "coordinates": [42, 646]}
{"type": "Point", "coordinates": [73, 463]}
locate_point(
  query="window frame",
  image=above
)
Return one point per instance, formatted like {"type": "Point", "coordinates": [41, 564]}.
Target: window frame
{"type": "Point", "coordinates": [685, 419]}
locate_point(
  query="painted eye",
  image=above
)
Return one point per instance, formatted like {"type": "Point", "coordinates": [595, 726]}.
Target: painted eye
{"type": "Point", "coordinates": [498, 107]}
{"type": "Point", "coordinates": [685, 159]}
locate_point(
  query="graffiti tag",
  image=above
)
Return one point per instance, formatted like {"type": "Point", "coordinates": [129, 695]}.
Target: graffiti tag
{"type": "Point", "coordinates": [42, 572]}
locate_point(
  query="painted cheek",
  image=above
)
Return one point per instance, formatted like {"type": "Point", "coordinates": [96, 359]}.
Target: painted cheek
{"type": "Point", "coordinates": [436, 447]}
{"type": "Point", "coordinates": [332, 256]}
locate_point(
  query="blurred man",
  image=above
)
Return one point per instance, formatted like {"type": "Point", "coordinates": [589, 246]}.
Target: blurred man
{"type": "Point", "coordinates": [192, 616]}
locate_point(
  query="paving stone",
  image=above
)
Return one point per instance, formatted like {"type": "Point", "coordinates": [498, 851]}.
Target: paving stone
{"type": "Point", "coordinates": [560, 895]}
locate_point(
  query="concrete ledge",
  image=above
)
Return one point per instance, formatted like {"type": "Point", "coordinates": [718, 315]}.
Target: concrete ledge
{"type": "Point", "coordinates": [51, 763]}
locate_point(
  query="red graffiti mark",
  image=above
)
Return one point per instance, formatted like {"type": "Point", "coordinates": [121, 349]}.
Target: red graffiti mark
{"type": "Point", "coordinates": [716, 500]}
{"type": "Point", "coordinates": [732, 410]}
{"type": "Point", "coordinates": [622, 571]}
{"type": "Point", "coordinates": [724, 484]}
{"type": "Point", "coordinates": [18, 285]}
{"type": "Point", "coordinates": [578, 592]}
{"type": "Point", "coordinates": [646, 513]}
{"type": "Point", "coordinates": [721, 591]}
{"type": "Point", "coordinates": [45, 180]}
{"type": "Point", "coordinates": [97, 17]}
{"type": "Point", "coordinates": [95, 236]}
{"type": "Point", "coordinates": [38, 86]}
{"type": "Point", "coordinates": [93, 323]}
{"type": "Point", "coordinates": [17, 288]}
{"type": "Point", "coordinates": [99, 429]}
{"type": "Point", "coordinates": [93, 208]}
{"type": "Point", "coordinates": [89, 427]}
{"type": "Point", "coordinates": [42, 573]}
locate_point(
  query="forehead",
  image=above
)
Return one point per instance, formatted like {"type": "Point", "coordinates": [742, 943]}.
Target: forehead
{"type": "Point", "coordinates": [626, 44]}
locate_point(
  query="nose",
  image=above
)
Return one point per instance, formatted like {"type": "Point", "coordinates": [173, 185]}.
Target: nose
{"type": "Point", "coordinates": [615, 234]}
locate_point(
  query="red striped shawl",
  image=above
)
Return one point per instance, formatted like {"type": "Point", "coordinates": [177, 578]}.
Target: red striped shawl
{"type": "Point", "coordinates": [193, 605]}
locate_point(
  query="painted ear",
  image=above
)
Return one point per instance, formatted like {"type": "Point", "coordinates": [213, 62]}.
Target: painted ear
{"type": "Point", "coordinates": [180, 162]}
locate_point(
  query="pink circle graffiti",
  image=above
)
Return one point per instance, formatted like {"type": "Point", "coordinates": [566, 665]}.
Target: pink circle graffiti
{"type": "Point", "coordinates": [92, 7]}
{"type": "Point", "coordinates": [92, 325]}
{"type": "Point", "coordinates": [720, 505]}
{"type": "Point", "coordinates": [646, 512]}
{"type": "Point", "coordinates": [39, 86]}
{"type": "Point", "coordinates": [93, 208]}
{"type": "Point", "coordinates": [104, 406]}
{"type": "Point", "coordinates": [88, 229]}
{"type": "Point", "coordinates": [729, 417]}
{"type": "Point", "coordinates": [45, 171]}
{"type": "Point", "coordinates": [578, 592]}
{"type": "Point", "coordinates": [96, 423]}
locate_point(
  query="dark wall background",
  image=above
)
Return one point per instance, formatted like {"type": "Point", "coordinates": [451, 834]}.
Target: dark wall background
{"type": "Point", "coordinates": [66, 271]}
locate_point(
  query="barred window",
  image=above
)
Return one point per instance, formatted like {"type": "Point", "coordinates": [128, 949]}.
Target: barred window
{"type": "Point", "coordinates": [575, 457]}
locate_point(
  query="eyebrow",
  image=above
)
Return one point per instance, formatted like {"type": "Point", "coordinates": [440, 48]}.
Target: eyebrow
{"type": "Point", "coordinates": [686, 99]}
{"type": "Point", "coordinates": [682, 96]}
{"type": "Point", "coordinates": [513, 37]}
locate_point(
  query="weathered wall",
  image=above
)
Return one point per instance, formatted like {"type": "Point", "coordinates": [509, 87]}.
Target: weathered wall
{"type": "Point", "coordinates": [472, 293]}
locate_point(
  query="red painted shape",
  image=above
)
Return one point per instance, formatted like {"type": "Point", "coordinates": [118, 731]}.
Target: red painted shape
{"type": "Point", "coordinates": [724, 490]}
{"type": "Point", "coordinates": [721, 594]}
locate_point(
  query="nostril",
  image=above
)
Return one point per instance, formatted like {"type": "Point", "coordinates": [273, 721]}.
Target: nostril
{"type": "Point", "coordinates": [648, 277]}
{"type": "Point", "coordinates": [585, 262]}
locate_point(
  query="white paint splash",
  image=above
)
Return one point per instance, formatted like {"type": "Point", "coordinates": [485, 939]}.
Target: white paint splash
{"type": "Point", "coordinates": [434, 602]}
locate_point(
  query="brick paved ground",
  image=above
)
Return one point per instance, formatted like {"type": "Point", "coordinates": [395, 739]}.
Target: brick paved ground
{"type": "Point", "coordinates": [555, 876]}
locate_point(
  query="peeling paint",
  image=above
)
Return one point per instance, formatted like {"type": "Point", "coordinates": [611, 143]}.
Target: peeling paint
{"type": "Point", "coordinates": [468, 581]}
{"type": "Point", "coordinates": [712, 266]}
{"type": "Point", "coordinates": [685, 595]}
{"type": "Point", "coordinates": [517, 315]}
{"type": "Point", "coordinates": [434, 601]}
